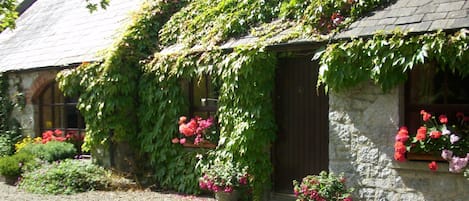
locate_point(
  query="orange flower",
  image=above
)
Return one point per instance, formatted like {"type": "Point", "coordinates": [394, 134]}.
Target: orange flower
{"type": "Point", "coordinates": [435, 134]}
{"type": "Point", "coordinates": [421, 133]}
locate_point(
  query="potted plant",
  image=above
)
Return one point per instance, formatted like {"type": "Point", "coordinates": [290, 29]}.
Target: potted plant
{"type": "Point", "coordinates": [436, 137]}
{"type": "Point", "coordinates": [322, 187]}
{"type": "Point", "coordinates": [225, 179]}
{"type": "Point", "coordinates": [198, 132]}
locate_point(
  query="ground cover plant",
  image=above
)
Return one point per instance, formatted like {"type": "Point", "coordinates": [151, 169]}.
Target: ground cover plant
{"type": "Point", "coordinates": [65, 177]}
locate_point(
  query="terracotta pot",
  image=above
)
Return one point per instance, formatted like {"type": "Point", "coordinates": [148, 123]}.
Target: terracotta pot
{"type": "Point", "coordinates": [222, 196]}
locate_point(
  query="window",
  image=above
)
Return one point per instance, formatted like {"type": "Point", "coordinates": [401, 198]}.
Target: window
{"type": "Point", "coordinates": [203, 97]}
{"type": "Point", "coordinates": [58, 112]}
{"type": "Point", "coordinates": [435, 91]}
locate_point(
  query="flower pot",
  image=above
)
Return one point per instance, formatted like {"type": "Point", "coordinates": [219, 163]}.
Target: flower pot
{"type": "Point", "coordinates": [223, 196]}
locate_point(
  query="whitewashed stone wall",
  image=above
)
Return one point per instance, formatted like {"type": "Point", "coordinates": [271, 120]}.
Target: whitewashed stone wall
{"type": "Point", "coordinates": [362, 125]}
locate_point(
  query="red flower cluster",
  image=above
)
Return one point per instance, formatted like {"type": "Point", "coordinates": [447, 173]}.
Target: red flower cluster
{"type": "Point", "coordinates": [436, 137]}
{"type": "Point", "coordinates": [196, 127]}
{"type": "Point", "coordinates": [55, 135]}
{"type": "Point", "coordinates": [399, 147]}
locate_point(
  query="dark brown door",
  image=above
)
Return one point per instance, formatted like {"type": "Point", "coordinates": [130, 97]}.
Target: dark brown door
{"type": "Point", "coordinates": [301, 147]}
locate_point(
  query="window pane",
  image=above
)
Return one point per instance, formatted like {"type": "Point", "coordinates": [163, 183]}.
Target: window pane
{"type": "Point", "coordinates": [427, 86]}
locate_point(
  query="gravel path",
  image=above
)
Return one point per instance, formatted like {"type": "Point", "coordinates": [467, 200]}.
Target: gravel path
{"type": "Point", "coordinates": [12, 193]}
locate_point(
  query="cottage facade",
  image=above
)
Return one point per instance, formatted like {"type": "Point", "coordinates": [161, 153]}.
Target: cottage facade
{"type": "Point", "coordinates": [351, 132]}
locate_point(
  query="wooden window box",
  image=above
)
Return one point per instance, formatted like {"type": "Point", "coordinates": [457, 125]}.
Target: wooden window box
{"type": "Point", "coordinates": [424, 157]}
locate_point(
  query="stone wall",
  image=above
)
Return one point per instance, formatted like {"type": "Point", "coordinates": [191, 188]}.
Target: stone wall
{"type": "Point", "coordinates": [362, 125]}
{"type": "Point", "coordinates": [30, 84]}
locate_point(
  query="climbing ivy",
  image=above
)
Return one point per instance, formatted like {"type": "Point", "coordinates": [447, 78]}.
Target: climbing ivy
{"type": "Point", "coordinates": [138, 94]}
{"type": "Point", "coordinates": [386, 59]}
{"type": "Point", "coordinates": [10, 129]}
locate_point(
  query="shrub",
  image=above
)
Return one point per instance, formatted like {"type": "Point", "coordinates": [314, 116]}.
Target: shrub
{"type": "Point", "coordinates": [51, 151]}
{"type": "Point", "coordinates": [16, 164]}
{"type": "Point", "coordinates": [5, 146]}
{"type": "Point", "coordinates": [325, 186]}
{"type": "Point", "coordinates": [65, 177]}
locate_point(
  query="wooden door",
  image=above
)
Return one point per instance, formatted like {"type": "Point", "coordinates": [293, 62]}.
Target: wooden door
{"type": "Point", "coordinates": [301, 147]}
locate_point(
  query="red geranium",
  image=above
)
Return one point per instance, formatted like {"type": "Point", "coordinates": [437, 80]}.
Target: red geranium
{"type": "Point", "coordinates": [425, 115]}
{"type": "Point", "coordinates": [443, 119]}
{"type": "Point", "coordinates": [421, 133]}
{"type": "Point", "coordinates": [195, 131]}
{"type": "Point", "coordinates": [433, 166]}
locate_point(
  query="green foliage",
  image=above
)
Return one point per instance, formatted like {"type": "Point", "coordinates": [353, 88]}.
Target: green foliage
{"type": "Point", "coordinates": [386, 60]}
{"type": "Point", "coordinates": [5, 146]}
{"type": "Point", "coordinates": [66, 177]}
{"type": "Point", "coordinates": [16, 164]}
{"type": "Point", "coordinates": [108, 91]}
{"type": "Point", "coordinates": [51, 151]}
{"type": "Point", "coordinates": [140, 97]}
{"type": "Point", "coordinates": [8, 14]}
{"type": "Point", "coordinates": [10, 129]}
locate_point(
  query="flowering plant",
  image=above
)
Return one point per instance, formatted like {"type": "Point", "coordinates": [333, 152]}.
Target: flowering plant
{"type": "Point", "coordinates": [322, 187]}
{"type": "Point", "coordinates": [196, 131]}
{"type": "Point", "coordinates": [437, 137]}
{"type": "Point", "coordinates": [223, 177]}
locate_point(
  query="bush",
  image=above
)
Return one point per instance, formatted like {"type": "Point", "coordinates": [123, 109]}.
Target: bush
{"type": "Point", "coordinates": [66, 177]}
{"type": "Point", "coordinates": [51, 151]}
{"type": "Point", "coordinates": [16, 164]}
{"type": "Point", "coordinates": [5, 146]}
{"type": "Point", "coordinates": [325, 186]}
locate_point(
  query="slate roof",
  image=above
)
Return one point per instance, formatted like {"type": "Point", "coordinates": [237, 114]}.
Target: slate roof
{"type": "Point", "coordinates": [61, 32]}
{"type": "Point", "coordinates": [413, 16]}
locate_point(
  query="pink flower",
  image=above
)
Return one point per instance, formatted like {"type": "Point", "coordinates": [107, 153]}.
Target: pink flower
{"type": "Point", "coordinates": [216, 188]}
{"type": "Point", "coordinates": [182, 120]}
{"type": "Point", "coordinates": [446, 154]}
{"type": "Point", "coordinates": [175, 140]}
{"type": "Point", "coordinates": [453, 138]}
{"type": "Point", "coordinates": [348, 199]}
{"type": "Point", "coordinates": [243, 180]}
{"type": "Point", "coordinates": [182, 141]}
{"type": "Point", "coordinates": [457, 164]}
{"type": "Point", "coordinates": [203, 185]}
{"type": "Point", "coordinates": [228, 189]}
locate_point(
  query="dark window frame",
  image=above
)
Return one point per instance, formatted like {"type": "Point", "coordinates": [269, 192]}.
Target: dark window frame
{"type": "Point", "coordinates": [64, 105]}
{"type": "Point", "coordinates": [411, 113]}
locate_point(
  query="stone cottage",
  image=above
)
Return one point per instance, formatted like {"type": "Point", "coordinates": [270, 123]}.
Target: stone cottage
{"type": "Point", "coordinates": [52, 35]}
{"type": "Point", "coordinates": [351, 132]}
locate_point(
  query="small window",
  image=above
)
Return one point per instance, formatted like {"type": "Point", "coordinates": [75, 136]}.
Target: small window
{"type": "Point", "coordinates": [435, 91]}
{"type": "Point", "coordinates": [203, 97]}
{"type": "Point", "coordinates": [58, 112]}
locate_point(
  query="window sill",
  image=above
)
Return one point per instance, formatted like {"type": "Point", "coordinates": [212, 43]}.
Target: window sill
{"type": "Point", "coordinates": [204, 145]}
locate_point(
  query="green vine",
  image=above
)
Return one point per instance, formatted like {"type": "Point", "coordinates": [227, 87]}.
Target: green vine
{"type": "Point", "coordinates": [140, 97]}
{"type": "Point", "coordinates": [10, 129]}
{"type": "Point", "coordinates": [386, 60]}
